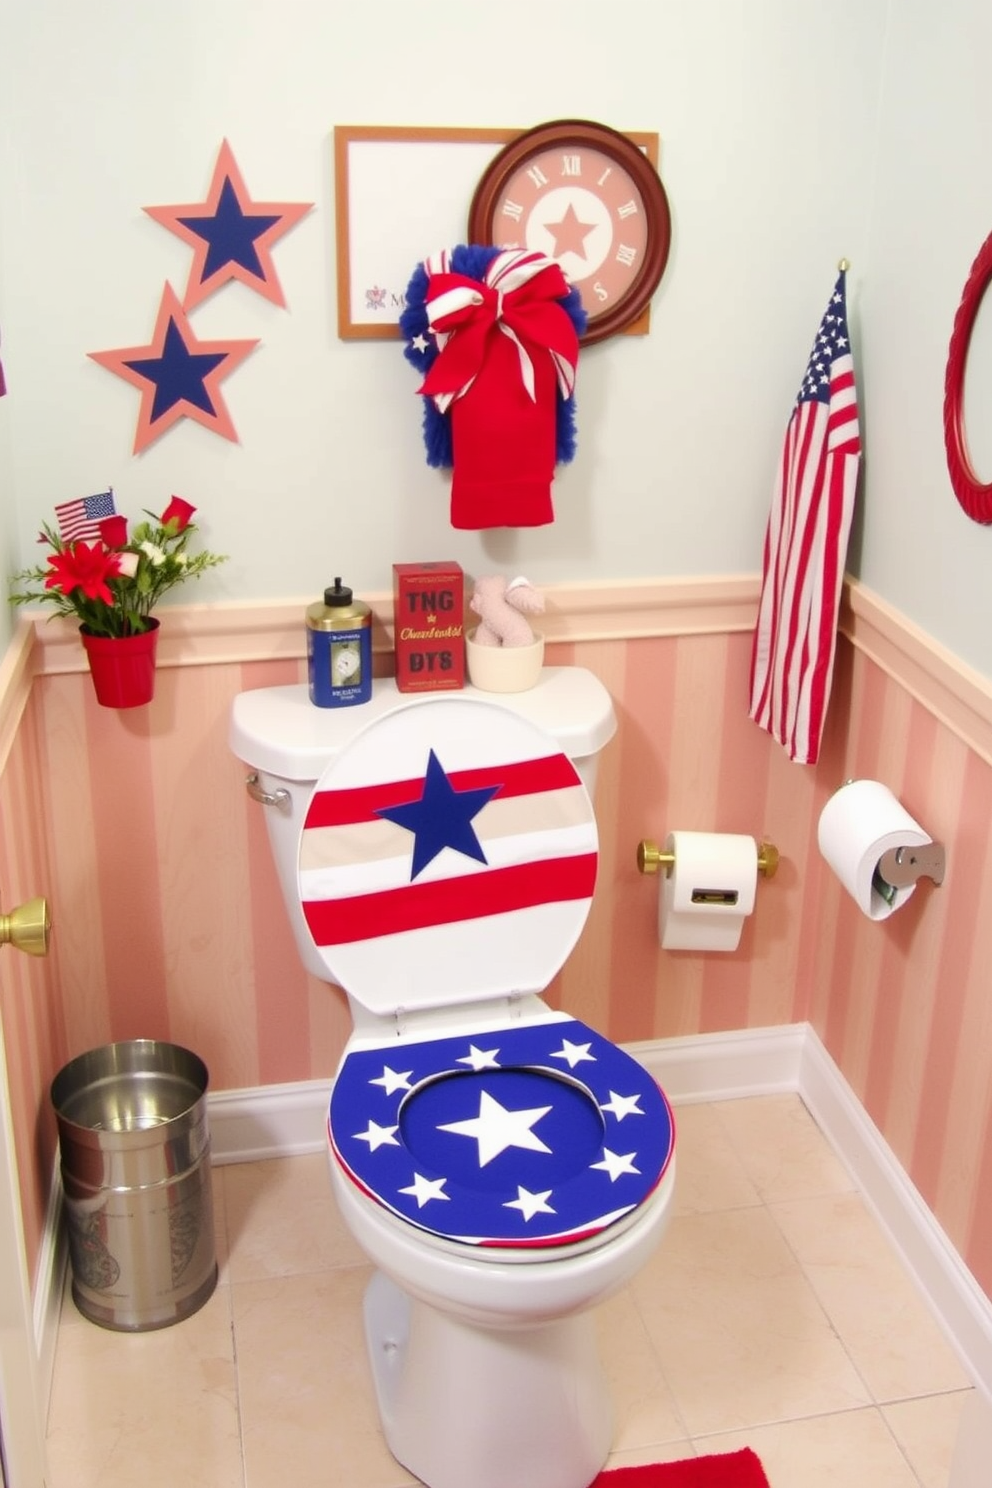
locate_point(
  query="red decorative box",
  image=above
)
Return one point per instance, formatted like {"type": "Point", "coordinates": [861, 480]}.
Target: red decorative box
{"type": "Point", "coordinates": [428, 616]}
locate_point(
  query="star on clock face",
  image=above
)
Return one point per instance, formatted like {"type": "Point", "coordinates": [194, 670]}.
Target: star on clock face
{"type": "Point", "coordinates": [569, 233]}
{"type": "Point", "coordinates": [177, 375]}
{"type": "Point", "coordinates": [231, 235]}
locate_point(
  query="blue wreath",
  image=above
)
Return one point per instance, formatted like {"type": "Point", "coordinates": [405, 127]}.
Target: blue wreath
{"type": "Point", "coordinates": [473, 260]}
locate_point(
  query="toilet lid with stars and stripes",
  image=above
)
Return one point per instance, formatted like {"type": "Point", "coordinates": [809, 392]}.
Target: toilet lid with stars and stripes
{"type": "Point", "coordinates": [539, 1134]}
{"type": "Point", "coordinates": [448, 855]}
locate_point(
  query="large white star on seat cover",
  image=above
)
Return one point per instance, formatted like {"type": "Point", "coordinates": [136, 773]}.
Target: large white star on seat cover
{"type": "Point", "coordinates": [495, 1128]}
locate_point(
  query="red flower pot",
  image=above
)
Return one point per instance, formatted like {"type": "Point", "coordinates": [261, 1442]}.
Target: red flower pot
{"type": "Point", "coordinates": [123, 667]}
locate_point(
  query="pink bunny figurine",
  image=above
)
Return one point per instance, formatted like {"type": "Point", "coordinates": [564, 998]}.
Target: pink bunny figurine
{"type": "Point", "coordinates": [502, 607]}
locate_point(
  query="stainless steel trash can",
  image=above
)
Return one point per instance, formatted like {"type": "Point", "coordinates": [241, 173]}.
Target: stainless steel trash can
{"type": "Point", "coordinates": [135, 1160]}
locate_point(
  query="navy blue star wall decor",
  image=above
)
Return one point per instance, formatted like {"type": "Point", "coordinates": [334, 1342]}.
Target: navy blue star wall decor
{"type": "Point", "coordinates": [177, 376]}
{"type": "Point", "coordinates": [231, 235]}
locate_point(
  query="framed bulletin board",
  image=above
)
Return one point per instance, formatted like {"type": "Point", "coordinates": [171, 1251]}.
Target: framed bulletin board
{"type": "Point", "coordinates": [402, 193]}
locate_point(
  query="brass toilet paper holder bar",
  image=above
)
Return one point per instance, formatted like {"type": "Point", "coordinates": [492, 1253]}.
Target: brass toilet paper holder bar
{"type": "Point", "coordinates": [650, 857]}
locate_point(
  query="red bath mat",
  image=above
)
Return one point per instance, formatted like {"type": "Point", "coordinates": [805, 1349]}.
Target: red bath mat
{"type": "Point", "coordinates": [728, 1470]}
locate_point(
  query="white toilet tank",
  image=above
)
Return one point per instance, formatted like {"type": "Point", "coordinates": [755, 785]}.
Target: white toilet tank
{"type": "Point", "coordinates": [287, 743]}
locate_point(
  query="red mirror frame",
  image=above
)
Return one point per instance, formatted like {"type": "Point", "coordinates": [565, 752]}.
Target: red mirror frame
{"type": "Point", "coordinates": [974, 496]}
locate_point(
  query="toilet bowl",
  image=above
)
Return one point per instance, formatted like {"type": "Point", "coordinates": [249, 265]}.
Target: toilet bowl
{"type": "Point", "coordinates": [504, 1167]}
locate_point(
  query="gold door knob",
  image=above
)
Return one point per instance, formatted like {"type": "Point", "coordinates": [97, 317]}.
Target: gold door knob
{"type": "Point", "coordinates": [28, 927]}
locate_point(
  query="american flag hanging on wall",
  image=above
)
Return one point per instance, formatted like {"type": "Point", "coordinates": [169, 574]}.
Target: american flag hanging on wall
{"type": "Point", "coordinates": [809, 524]}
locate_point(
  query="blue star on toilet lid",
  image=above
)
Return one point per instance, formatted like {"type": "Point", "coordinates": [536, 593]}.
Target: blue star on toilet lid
{"type": "Point", "coordinates": [535, 1135]}
{"type": "Point", "coordinates": [448, 855]}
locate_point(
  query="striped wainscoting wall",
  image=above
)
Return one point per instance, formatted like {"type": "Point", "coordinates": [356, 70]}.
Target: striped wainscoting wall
{"type": "Point", "coordinates": [168, 921]}
{"type": "Point", "coordinates": [31, 1018]}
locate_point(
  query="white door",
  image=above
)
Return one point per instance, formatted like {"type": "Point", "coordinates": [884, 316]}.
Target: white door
{"type": "Point", "coordinates": [22, 1441]}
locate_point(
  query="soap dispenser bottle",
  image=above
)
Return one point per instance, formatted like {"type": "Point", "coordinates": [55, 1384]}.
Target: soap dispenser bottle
{"type": "Point", "coordinates": [339, 649]}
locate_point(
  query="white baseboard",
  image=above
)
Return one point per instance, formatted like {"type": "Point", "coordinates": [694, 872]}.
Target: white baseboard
{"type": "Point", "coordinates": [49, 1283]}
{"type": "Point", "coordinates": [268, 1121]}
{"type": "Point", "coordinates": [725, 1066]}
{"type": "Point", "coordinates": [283, 1120]}
{"type": "Point", "coordinates": [954, 1296]}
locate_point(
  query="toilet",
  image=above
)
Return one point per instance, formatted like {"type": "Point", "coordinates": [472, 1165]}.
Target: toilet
{"type": "Point", "coordinates": [504, 1167]}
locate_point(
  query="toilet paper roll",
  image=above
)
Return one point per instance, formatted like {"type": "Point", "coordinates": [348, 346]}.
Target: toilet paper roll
{"type": "Point", "coordinates": [859, 823]}
{"type": "Point", "coordinates": [709, 891]}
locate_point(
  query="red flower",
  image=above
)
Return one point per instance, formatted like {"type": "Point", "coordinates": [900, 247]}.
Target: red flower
{"type": "Point", "coordinates": [178, 511]}
{"type": "Point", "coordinates": [113, 531]}
{"type": "Point", "coordinates": [83, 566]}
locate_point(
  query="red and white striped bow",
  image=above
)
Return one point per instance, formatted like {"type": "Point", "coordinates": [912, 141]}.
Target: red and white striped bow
{"type": "Point", "coordinates": [518, 298]}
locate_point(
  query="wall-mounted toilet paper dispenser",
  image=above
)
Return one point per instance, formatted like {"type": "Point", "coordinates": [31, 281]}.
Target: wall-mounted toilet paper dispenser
{"type": "Point", "coordinates": [877, 850]}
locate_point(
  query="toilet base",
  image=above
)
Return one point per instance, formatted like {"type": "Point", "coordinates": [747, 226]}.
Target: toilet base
{"type": "Point", "coordinates": [465, 1405]}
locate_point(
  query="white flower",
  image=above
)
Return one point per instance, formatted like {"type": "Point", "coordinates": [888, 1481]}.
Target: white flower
{"type": "Point", "coordinates": [154, 554]}
{"type": "Point", "coordinates": [127, 565]}
{"type": "Point", "coordinates": [181, 559]}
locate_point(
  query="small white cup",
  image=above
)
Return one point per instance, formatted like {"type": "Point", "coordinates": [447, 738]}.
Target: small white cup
{"type": "Point", "coordinates": [503, 668]}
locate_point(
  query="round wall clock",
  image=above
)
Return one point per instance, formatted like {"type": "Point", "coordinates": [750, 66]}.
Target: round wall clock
{"type": "Point", "coordinates": [588, 197]}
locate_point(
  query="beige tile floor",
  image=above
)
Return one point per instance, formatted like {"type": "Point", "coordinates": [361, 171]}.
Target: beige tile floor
{"type": "Point", "coordinates": [775, 1315]}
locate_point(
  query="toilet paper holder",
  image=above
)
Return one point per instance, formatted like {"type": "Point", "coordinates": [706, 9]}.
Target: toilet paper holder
{"type": "Point", "coordinates": [650, 857]}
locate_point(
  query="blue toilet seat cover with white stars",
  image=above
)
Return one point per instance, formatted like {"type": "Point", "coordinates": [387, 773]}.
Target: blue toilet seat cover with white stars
{"type": "Point", "coordinates": [535, 1135]}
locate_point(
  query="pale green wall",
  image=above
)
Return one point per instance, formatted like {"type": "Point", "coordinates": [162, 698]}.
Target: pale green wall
{"type": "Point", "coordinates": [932, 212]}
{"type": "Point", "coordinates": [791, 135]}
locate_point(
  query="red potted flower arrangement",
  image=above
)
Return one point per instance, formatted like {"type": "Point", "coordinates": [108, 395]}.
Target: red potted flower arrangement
{"type": "Point", "coordinates": [111, 587]}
